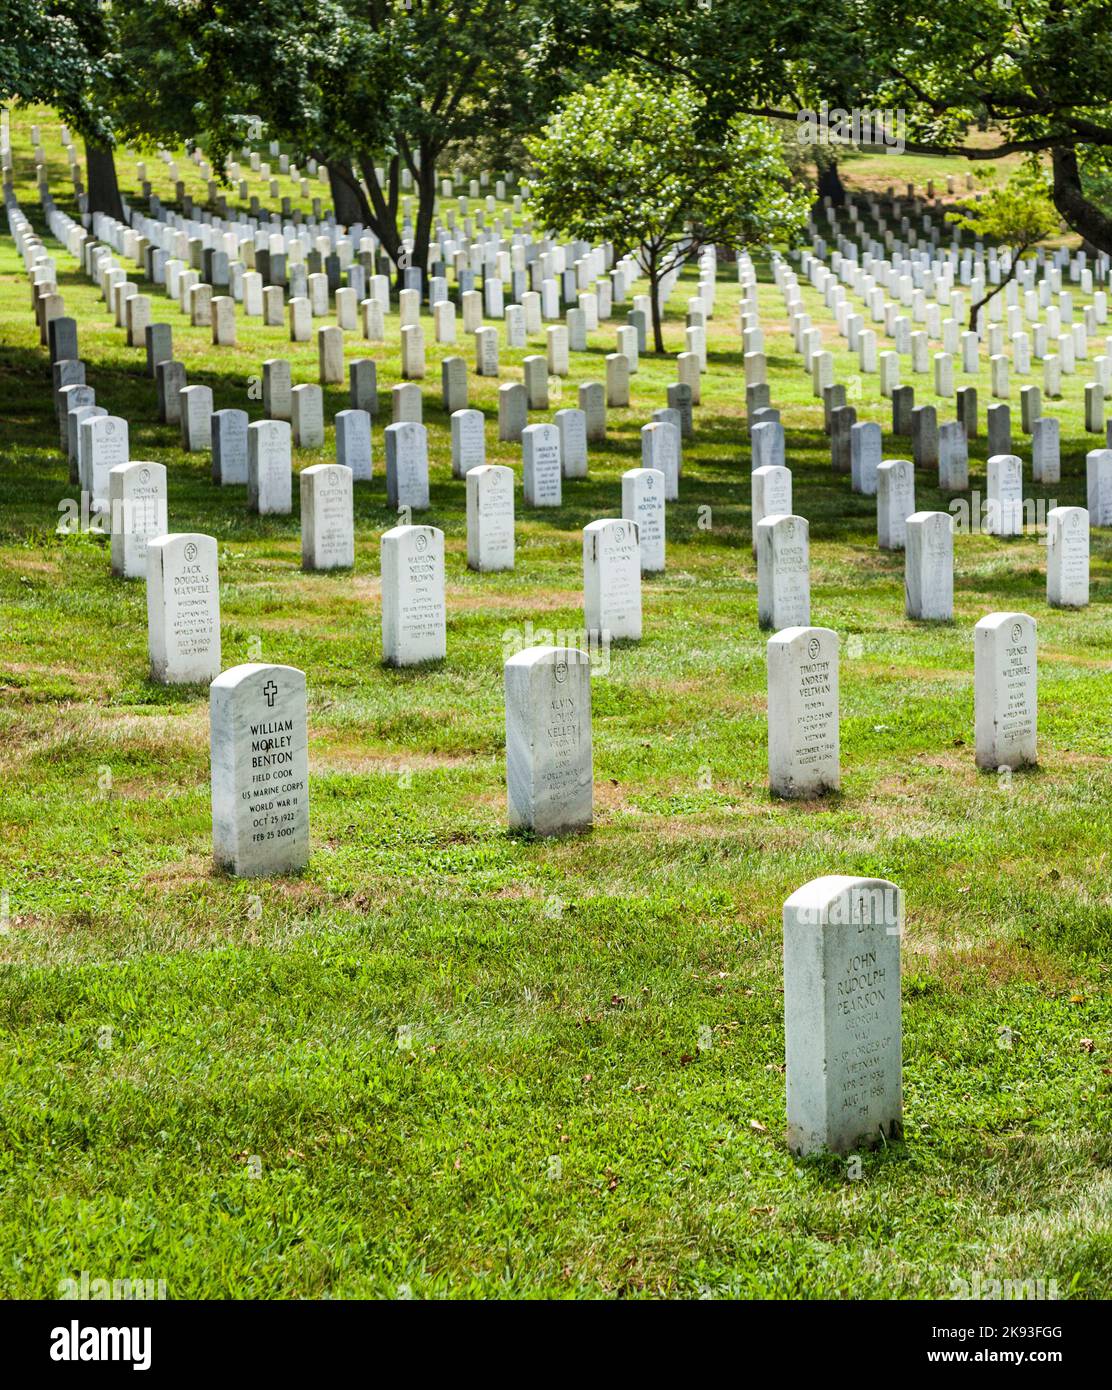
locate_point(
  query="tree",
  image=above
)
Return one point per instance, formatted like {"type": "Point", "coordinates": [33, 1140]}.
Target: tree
{"type": "Point", "coordinates": [356, 84]}
{"type": "Point", "coordinates": [58, 55]}
{"type": "Point", "coordinates": [1031, 75]}
{"type": "Point", "coordinates": [622, 161]}
{"type": "Point", "coordinates": [1018, 214]}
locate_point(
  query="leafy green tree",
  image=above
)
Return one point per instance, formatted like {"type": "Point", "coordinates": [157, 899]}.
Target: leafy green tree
{"type": "Point", "coordinates": [357, 84]}
{"type": "Point", "coordinates": [623, 161]}
{"type": "Point", "coordinates": [1017, 214]}
{"type": "Point", "coordinates": [60, 55]}
{"type": "Point", "coordinates": [981, 80]}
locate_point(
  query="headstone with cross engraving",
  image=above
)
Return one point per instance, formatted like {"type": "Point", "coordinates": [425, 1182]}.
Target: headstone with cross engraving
{"type": "Point", "coordinates": [643, 492]}
{"type": "Point", "coordinates": [260, 770]}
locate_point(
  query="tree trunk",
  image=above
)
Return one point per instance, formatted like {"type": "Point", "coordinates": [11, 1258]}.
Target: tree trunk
{"type": "Point", "coordinates": [383, 215]}
{"type": "Point", "coordinates": [1069, 198]}
{"type": "Point", "coordinates": [426, 208]}
{"type": "Point", "coordinates": [975, 309]}
{"type": "Point", "coordinates": [654, 284]}
{"type": "Point", "coordinates": [831, 185]}
{"type": "Point", "coordinates": [104, 191]}
{"type": "Point", "coordinates": [349, 202]}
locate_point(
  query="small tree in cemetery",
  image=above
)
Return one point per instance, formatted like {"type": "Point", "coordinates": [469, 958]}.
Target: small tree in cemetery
{"type": "Point", "coordinates": [1017, 214]}
{"type": "Point", "coordinates": [625, 161]}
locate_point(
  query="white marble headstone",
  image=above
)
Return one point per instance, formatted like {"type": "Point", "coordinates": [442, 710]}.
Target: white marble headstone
{"type": "Point", "coordinates": [1005, 690]}
{"type": "Point", "coordinates": [783, 572]}
{"type": "Point", "coordinates": [269, 468]}
{"type": "Point", "coordinates": [183, 608]}
{"type": "Point", "coordinates": [104, 446]}
{"type": "Point", "coordinates": [643, 492]}
{"type": "Point", "coordinates": [895, 502]}
{"type": "Point", "coordinates": [543, 475]}
{"type": "Point", "coordinates": [407, 466]}
{"type": "Point", "coordinates": [490, 517]}
{"type": "Point", "coordinates": [259, 750]}
{"type": "Point", "coordinates": [770, 494]}
{"type": "Point", "coordinates": [929, 566]}
{"type": "Point", "coordinates": [413, 612]}
{"type": "Point", "coordinates": [548, 740]}
{"type": "Point", "coordinates": [803, 740]}
{"type": "Point", "coordinates": [327, 517]}
{"type": "Point", "coordinates": [1067, 557]}
{"type": "Point", "coordinates": [842, 1024]}
{"type": "Point", "coordinates": [137, 493]}
{"type": "Point", "coordinates": [468, 441]}
{"type": "Point", "coordinates": [612, 580]}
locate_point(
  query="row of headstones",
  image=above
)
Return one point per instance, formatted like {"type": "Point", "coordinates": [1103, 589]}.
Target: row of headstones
{"type": "Point", "coordinates": [993, 263]}
{"type": "Point", "coordinates": [183, 590]}
{"type": "Point", "coordinates": [193, 407]}
{"type": "Point", "coordinates": [819, 362]}
{"type": "Point", "coordinates": [174, 251]}
{"type": "Point", "coordinates": [916, 287]}
{"type": "Point", "coordinates": [926, 536]}
{"type": "Point", "coordinates": [856, 447]}
{"type": "Point", "coordinates": [537, 370]}
{"type": "Point", "coordinates": [917, 276]}
{"type": "Point", "coordinates": [841, 935]}
{"type": "Point", "coordinates": [579, 276]}
{"type": "Point", "coordinates": [548, 697]}
{"type": "Point", "coordinates": [781, 541]}
{"type": "Point", "coordinates": [618, 370]}
{"type": "Point", "coordinates": [966, 260]}
{"type": "Point", "coordinates": [99, 444]}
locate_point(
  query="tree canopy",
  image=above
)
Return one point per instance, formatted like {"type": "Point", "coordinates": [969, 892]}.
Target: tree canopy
{"type": "Point", "coordinates": [624, 161]}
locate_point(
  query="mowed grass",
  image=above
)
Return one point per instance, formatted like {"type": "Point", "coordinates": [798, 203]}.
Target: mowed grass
{"type": "Point", "coordinates": [446, 1061]}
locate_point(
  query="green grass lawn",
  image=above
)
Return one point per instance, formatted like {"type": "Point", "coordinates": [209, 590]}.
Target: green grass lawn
{"type": "Point", "coordinates": [448, 1061]}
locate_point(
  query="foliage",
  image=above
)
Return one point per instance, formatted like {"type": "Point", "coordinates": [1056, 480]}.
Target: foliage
{"type": "Point", "coordinates": [1017, 214]}
{"type": "Point", "coordinates": [623, 161]}
{"type": "Point", "coordinates": [1032, 75]}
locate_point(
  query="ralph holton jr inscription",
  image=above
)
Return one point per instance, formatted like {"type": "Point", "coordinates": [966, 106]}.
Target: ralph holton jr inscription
{"type": "Point", "coordinates": [260, 770]}
{"type": "Point", "coordinates": [842, 1013]}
